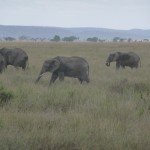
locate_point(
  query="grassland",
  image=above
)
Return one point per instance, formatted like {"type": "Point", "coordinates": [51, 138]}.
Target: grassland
{"type": "Point", "coordinates": [112, 112]}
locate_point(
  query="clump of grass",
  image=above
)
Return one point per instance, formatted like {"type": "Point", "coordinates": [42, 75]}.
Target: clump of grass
{"type": "Point", "coordinates": [5, 96]}
{"type": "Point", "coordinates": [119, 87]}
{"type": "Point", "coordinates": [141, 87]}
{"type": "Point", "coordinates": [63, 100]}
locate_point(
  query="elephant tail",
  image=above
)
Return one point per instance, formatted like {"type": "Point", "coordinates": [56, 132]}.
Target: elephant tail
{"type": "Point", "coordinates": [26, 62]}
{"type": "Point", "coordinates": [140, 61]}
{"type": "Point", "coordinates": [88, 80]}
{"type": "Point", "coordinates": [88, 70]}
{"type": "Point", "coordinates": [27, 65]}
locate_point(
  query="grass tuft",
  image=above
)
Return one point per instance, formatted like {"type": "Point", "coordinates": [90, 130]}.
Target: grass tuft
{"type": "Point", "coordinates": [5, 96]}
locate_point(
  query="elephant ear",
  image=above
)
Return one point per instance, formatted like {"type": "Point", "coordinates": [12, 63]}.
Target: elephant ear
{"type": "Point", "coordinates": [117, 55]}
{"type": "Point", "coordinates": [55, 64]}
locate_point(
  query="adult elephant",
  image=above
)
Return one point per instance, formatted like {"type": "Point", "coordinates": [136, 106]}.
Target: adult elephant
{"type": "Point", "coordinates": [129, 59]}
{"type": "Point", "coordinates": [76, 67]}
{"type": "Point", "coordinates": [15, 57]}
{"type": "Point", "coordinates": [2, 63]}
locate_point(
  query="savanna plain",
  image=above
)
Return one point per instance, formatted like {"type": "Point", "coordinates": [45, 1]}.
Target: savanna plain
{"type": "Point", "coordinates": [112, 112]}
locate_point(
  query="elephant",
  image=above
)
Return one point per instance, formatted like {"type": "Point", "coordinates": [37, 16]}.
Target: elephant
{"type": "Point", "coordinates": [15, 57]}
{"type": "Point", "coordinates": [75, 67]}
{"type": "Point", "coordinates": [2, 63]}
{"type": "Point", "coordinates": [129, 59]}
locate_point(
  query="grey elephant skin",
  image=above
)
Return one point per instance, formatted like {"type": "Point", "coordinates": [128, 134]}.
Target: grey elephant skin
{"type": "Point", "coordinates": [2, 63]}
{"type": "Point", "coordinates": [15, 57]}
{"type": "Point", "coordinates": [75, 67]}
{"type": "Point", "coordinates": [122, 60]}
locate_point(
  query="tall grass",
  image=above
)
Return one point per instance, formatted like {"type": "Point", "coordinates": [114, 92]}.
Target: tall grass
{"type": "Point", "coordinates": [112, 112]}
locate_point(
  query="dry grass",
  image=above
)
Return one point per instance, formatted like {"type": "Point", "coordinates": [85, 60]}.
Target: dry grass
{"type": "Point", "coordinates": [112, 112]}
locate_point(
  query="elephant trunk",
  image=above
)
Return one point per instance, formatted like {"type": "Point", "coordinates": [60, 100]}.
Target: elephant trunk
{"type": "Point", "coordinates": [107, 64]}
{"type": "Point", "coordinates": [40, 75]}
{"type": "Point", "coordinates": [38, 78]}
{"type": "Point", "coordinates": [108, 61]}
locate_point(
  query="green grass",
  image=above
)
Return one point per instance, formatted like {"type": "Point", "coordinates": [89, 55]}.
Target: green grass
{"type": "Point", "coordinates": [112, 112]}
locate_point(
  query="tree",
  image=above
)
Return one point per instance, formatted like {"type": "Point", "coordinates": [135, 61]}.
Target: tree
{"type": "Point", "coordinates": [101, 40]}
{"type": "Point", "coordinates": [70, 38]}
{"type": "Point", "coordinates": [56, 38]}
{"type": "Point", "coordinates": [130, 40]}
{"type": "Point", "coordinates": [9, 39]}
{"type": "Point", "coordinates": [123, 40]}
{"type": "Point", "coordinates": [93, 39]}
{"type": "Point", "coordinates": [116, 39]}
{"type": "Point", "coordinates": [23, 37]}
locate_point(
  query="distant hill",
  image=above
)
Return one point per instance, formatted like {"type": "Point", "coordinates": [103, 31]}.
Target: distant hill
{"type": "Point", "coordinates": [82, 33]}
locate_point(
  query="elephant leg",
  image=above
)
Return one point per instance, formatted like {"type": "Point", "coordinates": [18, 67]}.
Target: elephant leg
{"type": "Point", "coordinates": [6, 65]}
{"type": "Point", "coordinates": [80, 80]}
{"type": "Point", "coordinates": [1, 70]}
{"type": "Point", "coordinates": [83, 77]}
{"type": "Point", "coordinates": [117, 65]}
{"type": "Point", "coordinates": [136, 65]}
{"type": "Point", "coordinates": [61, 76]}
{"type": "Point", "coordinates": [132, 66]}
{"type": "Point", "coordinates": [17, 68]}
{"type": "Point", "coordinates": [53, 78]}
{"type": "Point", "coordinates": [23, 67]}
{"type": "Point", "coordinates": [39, 77]}
{"type": "Point", "coordinates": [123, 67]}
{"type": "Point", "coordinates": [87, 80]}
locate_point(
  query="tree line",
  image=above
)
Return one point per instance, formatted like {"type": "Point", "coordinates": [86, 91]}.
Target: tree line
{"type": "Point", "coordinates": [57, 38]}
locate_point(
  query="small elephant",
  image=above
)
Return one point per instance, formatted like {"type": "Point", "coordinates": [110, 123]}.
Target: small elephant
{"type": "Point", "coordinates": [2, 63]}
{"type": "Point", "coordinates": [129, 59]}
{"type": "Point", "coordinates": [15, 57]}
{"type": "Point", "coordinates": [76, 67]}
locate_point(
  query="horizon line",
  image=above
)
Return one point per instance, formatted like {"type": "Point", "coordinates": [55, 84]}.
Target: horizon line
{"type": "Point", "coordinates": [72, 27]}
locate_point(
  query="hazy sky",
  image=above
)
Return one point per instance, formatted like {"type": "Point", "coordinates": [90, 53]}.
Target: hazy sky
{"type": "Point", "coordinates": [115, 14]}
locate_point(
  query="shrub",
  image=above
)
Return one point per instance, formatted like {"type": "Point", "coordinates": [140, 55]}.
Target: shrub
{"type": "Point", "coordinates": [5, 96]}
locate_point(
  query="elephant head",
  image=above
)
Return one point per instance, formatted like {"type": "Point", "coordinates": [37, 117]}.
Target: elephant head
{"type": "Point", "coordinates": [112, 57]}
{"type": "Point", "coordinates": [51, 65]}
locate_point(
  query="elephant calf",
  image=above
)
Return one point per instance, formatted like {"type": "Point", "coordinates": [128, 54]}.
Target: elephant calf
{"type": "Point", "coordinates": [75, 67]}
{"type": "Point", "coordinates": [129, 59]}
{"type": "Point", "coordinates": [15, 57]}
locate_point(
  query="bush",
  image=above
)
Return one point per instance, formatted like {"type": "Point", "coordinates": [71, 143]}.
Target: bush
{"type": "Point", "coordinates": [5, 96]}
